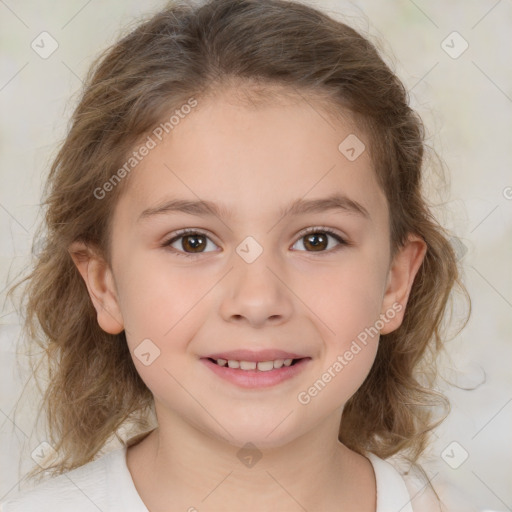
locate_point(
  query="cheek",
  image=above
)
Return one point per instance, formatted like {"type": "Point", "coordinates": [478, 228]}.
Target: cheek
{"type": "Point", "coordinates": [350, 342]}
{"type": "Point", "coordinates": [340, 375]}
{"type": "Point", "coordinates": [347, 296]}
{"type": "Point", "coordinates": [351, 350]}
{"type": "Point", "coordinates": [348, 300]}
{"type": "Point", "coordinates": [162, 311]}
{"type": "Point", "coordinates": [155, 296]}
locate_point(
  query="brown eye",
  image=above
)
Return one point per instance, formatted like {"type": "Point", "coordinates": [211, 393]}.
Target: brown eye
{"type": "Point", "coordinates": [189, 243]}
{"type": "Point", "coordinates": [193, 243]}
{"type": "Point", "coordinates": [316, 241]}
{"type": "Point", "coordinates": [319, 240]}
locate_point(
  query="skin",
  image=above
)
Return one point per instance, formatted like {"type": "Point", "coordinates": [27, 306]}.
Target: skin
{"type": "Point", "coordinates": [253, 161]}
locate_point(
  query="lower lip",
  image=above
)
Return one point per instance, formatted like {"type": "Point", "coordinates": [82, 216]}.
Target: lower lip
{"type": "Point", "coordinates": [256, 378]}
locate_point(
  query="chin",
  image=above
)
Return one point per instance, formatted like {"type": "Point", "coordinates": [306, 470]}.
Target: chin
{"type": "Point", "coordinates": [266, 434]}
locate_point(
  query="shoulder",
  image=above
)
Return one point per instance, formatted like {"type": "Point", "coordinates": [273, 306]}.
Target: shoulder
{"type": "Point", "coordinates": [83, 489]}
{"type": "Point", "coordinates": [404, 486]}
{"type": "Point", "coordinates": [435, 494]}
{"type": "Point", "coordinates": [392, 493]}
{"type": "Point", "coordinates": [422, 495]}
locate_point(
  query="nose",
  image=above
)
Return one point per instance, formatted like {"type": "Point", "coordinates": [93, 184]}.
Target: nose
{"type": "Point", "coordinates": [257, 293]}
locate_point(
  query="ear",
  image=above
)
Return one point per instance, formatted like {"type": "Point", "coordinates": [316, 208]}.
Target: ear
{"type": "Point", "coordinates": [402, 272]}
{"type": "Point", "coordinates": [100, 284]}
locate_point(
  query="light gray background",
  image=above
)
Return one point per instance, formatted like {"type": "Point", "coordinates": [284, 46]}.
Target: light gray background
{"type": "Point", "coordinates": [466, 103]}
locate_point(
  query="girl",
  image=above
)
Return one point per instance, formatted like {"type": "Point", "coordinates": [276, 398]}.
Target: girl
{"type": "Point", "coordinates": [240, 265]}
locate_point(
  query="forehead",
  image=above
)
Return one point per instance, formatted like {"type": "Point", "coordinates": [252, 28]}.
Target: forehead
{"type": "Point", "coordinates": [257, 157]}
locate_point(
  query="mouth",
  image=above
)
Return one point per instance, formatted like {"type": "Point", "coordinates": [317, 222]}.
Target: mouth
{"type": "Point", "coordinates": [260, 366]}
{"type": "Point", "coordinates": [260, 373]}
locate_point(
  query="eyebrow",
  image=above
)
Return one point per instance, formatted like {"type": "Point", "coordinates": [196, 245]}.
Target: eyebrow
{"type": "Point", "coordinates": [335, 202]}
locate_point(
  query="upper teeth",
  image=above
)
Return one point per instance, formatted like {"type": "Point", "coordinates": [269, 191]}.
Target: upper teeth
{"type": "Point", "coordinates": [263, 366]}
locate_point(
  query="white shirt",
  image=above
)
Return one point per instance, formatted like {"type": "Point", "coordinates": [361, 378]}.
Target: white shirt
{"type": "Point", "coordinates": [106, 485]}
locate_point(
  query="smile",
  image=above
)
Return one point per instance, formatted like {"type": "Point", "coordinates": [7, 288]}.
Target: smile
{"type": "Point", "coordinates": [262, 366]}
{"type": "Point", "coordinates": [256, 374]}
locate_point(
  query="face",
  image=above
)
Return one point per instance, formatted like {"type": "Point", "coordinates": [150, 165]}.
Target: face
{"type": "Point", "coordinates": [250, 274]}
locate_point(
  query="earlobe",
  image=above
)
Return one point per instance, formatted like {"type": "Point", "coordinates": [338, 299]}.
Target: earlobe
{"type": "Point", "coordinates": [404, 268]}
{"type": "Point", "coordinates": [99, 280]}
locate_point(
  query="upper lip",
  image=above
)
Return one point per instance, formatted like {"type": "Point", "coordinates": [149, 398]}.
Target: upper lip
{"type": "Point", "coordinates": [250, 355]}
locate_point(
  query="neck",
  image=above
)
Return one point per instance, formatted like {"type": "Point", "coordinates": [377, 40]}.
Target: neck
{"type": "Point", "coordinates": [182, 465]}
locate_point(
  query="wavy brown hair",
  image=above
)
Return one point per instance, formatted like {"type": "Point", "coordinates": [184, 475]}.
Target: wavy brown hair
{"type": "Point", "coordinates": [185, 51]}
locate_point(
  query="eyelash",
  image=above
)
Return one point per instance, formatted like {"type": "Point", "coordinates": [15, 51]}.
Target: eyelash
{"type": "Point", "coordinates": [318, 229]}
